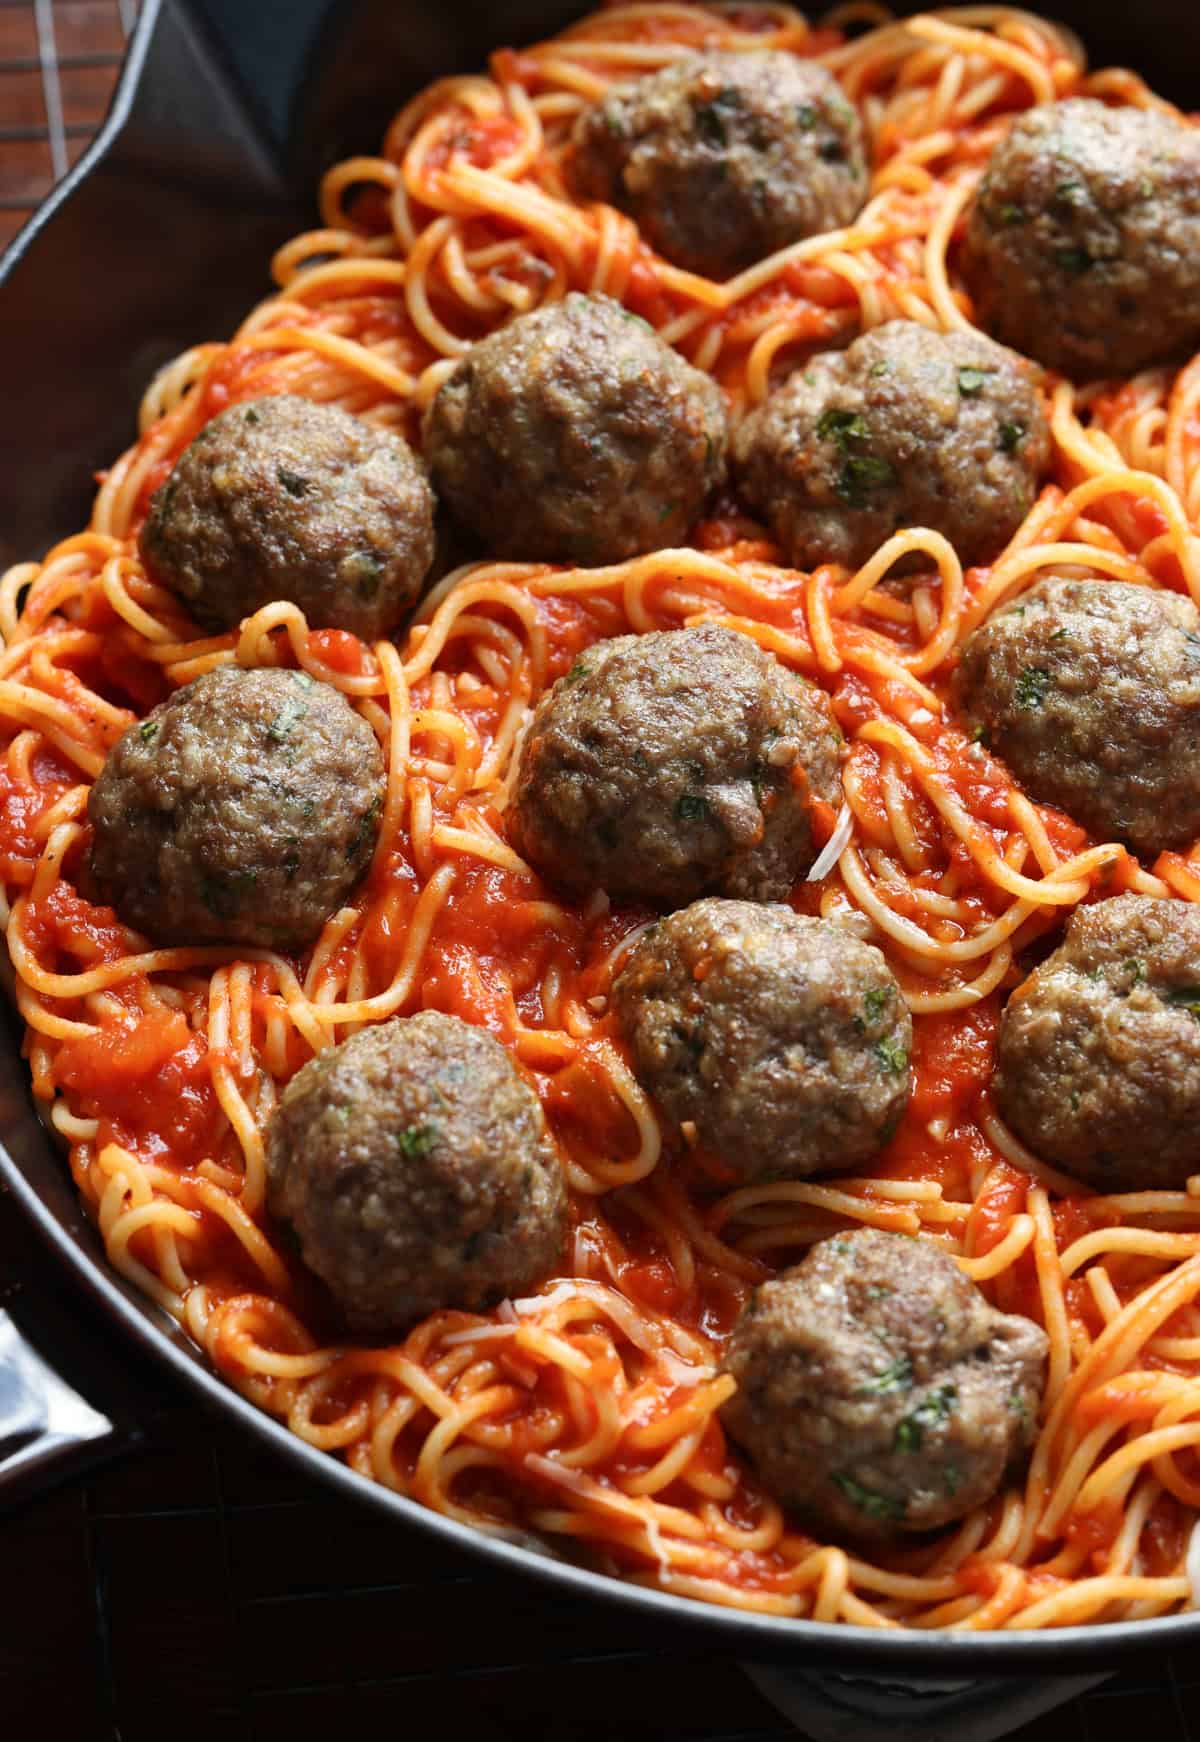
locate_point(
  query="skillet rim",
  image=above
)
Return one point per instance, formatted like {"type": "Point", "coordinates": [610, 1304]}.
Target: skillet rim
{"type": "Point", "coordinates": [836, 1647]}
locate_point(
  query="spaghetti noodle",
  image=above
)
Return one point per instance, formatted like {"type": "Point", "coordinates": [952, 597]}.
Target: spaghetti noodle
{"type": "Point", "coordinates": [587, 1413]}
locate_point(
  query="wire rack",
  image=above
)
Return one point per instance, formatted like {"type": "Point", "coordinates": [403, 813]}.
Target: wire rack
{"type": "Point", "coordinates": [199, 1588]}
{"type": "Point", "coordinates": [59, 61]}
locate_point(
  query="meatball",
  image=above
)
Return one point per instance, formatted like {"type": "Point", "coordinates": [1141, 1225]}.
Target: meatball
{"type": "Point", "coordinates": [284, 499]}
{"type": "Point", "coordinates": [245, 809]}
{"type": "Point", "coordinates": [666, 765]}
{"type": "Point", "coordinates": [878, 1391]}
{"type": "Point", "coordinates": [783, 1040]}
{"type": "Point", "coordinates": [908, 427]}
{"type": "Point", "coordinates": [415, 1168]}
{"type": "Point", "coordinates": [1083, 241]}
{"type": "Point", "coordinates": [1090, 692]}
{"type": "Point", "coordinates": [723, 158]}
{"type": "Point", "coordinates": [575, 435]}
{"type": "Point", "coordinates": [1099, 1049]}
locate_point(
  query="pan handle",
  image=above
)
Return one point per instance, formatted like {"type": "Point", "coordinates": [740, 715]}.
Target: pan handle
{"type": "Point", "coordinates": [48, 1429]}
{"type": "Point", "coordinates": [845, 1708]}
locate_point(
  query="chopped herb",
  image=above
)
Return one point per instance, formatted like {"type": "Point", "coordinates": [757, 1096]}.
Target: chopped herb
{"type": "Point", "coordinates": [1073, 260]}
{"type": "Point", "coordinates": [292, 482]}
{"type": "Point", "coordinates": [1032, 686]}
{"type": "Point", "coordinates": [1010, 215]}
{"type": "Point", "coordinates": [972, 381]}
{"type": "Point", "coordinates": [875, 1002]}
{"type": "Point", "coordinates": [980, 736]}
{"type": "Point", "coordinates": [932, 1410]}
{"type": "Point", "coordinates": [883, 367]}
{"type": "Point", "coordinates": [416, 1141]}
{"type": "Point", "coordinates": [806, 115]}
{"type": "Point", "coordinates": [280, 728]}
{"type": "Point", "coordinates": [614, 123]}
{"type": "Point", "coordinates": [578, 670]}
{"type": "Point", "coordinates": [842, 427]}
{"type": "Point", "coordinates": [1135, 969]}
{"type": "Point", "coordinates": [711, 117]}
{"type": "Point", "coordinates": [896, 1376]}
{"type": "Point", "coordinates": [871, 1504]}
{"type": "Point", "coordinates": [363, 837]}
{"type": "Point", "coordinates": [877, 1290]}
{"type": "Point", "coordinates": [251, 415]}
{"type": "Point", "coordinates": [363, 570]}
{"type": "Point", "coordinates": [1185, 998]}
{"type": "Point", "coordinates": [861, 474]}
{"type": "Point", "coordinates": [1018, 1406]}
{"type": "Point", "coordinates": [638, 320]}
{"type": "Point", "coordinates": [1069, 193]}
{"type": "Point", "coordinates": [1146, 188]}
{"type": "Point", "coordinates": [832, 151]}
{"type": "Point", "coordinates": [691, 807]}
{"type": "Point", "coordinates": [148, 731]}
{"type": "Point", "coordinates": [952, 1476]}
{"type": "Point", "coordinates": [1011, 436]}
{"type": "Point", "coordinates": [666, 511]}
{"type": "Point", "coordinates": [892, 1057]}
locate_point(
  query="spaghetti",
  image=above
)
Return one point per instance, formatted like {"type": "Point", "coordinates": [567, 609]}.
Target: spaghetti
{"type": "Point", "coordinates": [587, 1413]}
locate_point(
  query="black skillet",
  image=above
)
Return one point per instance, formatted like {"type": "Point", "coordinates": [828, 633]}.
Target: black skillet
{"type": "Point", "coordinates": [226, 114]}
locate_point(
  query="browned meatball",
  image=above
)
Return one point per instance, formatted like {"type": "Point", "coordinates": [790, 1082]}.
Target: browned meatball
{"type": "Point", "coordinates": [1099, 1049]}
{"type": "Point", "coordinates": [1090, 692]}
{"type": "Point", "coordinates": [878, 1391]}
{"type": "Point", "coordinates": [723, 158]}
{"type": "Point", "coordinates": [1083, 242]}
{"type": "Point", "coordinates": [666, 765]}
{"type": "Point", "coordinates": [575, 435]}
{"type": "Point", "coordinates": [285, 499]}
{"type": "Point", "coordinates": [414, 1164]}
{"type": "Point", "coordinates": [783, 1040]}
{"type": "Point", "coordinates": [244, 808]}
{"type": "Point", "coordinates": [909, 427]}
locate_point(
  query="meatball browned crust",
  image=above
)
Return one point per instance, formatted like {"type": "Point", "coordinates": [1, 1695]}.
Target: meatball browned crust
{"type": "Point", "coordinates": [878, 1391]}
{"type": "Point", "coordinates": [244, 808]}
{"type": "Point", "coordinates": [723, 158]}
{"type": "Point", "coordinates": [575, 435]}
{"type": "Point", "coordinates": [783, 1040]}
{"type": "Point", "coordinates": [282, 498]}
{"type": "Point", "coordinates": [663, 766]}
{"type": "Point", "coordinates": [1083, 241]}
{"type": "Point", "coordinates": [908, 427]}
{"type": "Point", "coordinates": [1099, 1049]}
{"type": "Point", "coordinates": [414, 1165]}
{"type": "Point", "coordinates": [1090, 692]}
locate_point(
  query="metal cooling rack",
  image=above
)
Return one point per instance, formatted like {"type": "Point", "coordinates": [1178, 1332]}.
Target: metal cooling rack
{"type": "Point", "coordinates": [59, 61]}
{"type": "Point", "coordinates": [200, 1589]}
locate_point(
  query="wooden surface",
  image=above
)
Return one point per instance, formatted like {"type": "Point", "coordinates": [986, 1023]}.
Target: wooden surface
{"type": "Point", "coordinates": [196, 1588]}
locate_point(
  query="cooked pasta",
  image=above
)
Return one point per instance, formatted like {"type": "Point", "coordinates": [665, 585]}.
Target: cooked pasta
{"type": "Point", "coordinates": [587, 1413]}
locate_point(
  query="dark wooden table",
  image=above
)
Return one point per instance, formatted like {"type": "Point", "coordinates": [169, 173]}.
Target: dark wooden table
{"type": "Point", "coordinates": [197, 1588]}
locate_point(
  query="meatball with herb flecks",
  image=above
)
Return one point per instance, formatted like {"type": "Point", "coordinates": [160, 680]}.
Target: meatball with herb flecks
{"type": "Point", "coordinates": [1089, 692]}
{"type": "Point", "coordinates": [667, 765]}
{"type": "Point", "coordinates": [282, 498]}
{"type": "Point", "coordinates": [878, 1391]}
{"type": "Point", "coordinates": [244, 808]}
{"type": "Point", "coordinates": [784, 1041]}
{"type": "Point", "coordinates": [908, 427]}
{"type": "Point", "coordinates": [1083, 240]}
{"type": "Point", "coordinates": [1099, 1049]}
{"type": "Point", "coordinates": [414, 1165]}
{"type": "Point", "coordinates": [724, 158]}
{"type": "Point", "coordinates": [575, 435]}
